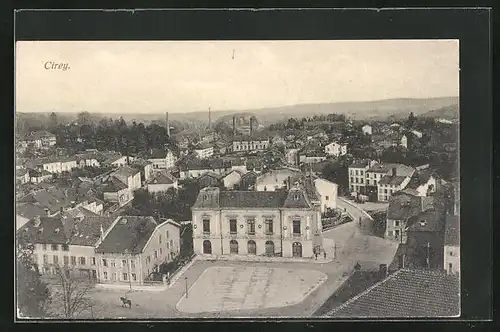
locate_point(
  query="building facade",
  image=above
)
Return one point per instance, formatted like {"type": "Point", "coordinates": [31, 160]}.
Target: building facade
{"type": "Point", "coordinates": [256, 223]}
{"type": "Point", "coordinates": [250, 144]}
{"type": "Point", "coordinates": [336, 149]}
{"type": "Point", "coordinates": [204, 151]}
{"type": "Point", "coordinates": [134, 247]}
{"type": "Point", "coordinates": [451, 252]}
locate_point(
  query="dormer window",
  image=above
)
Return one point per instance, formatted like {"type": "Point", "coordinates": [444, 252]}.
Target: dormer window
{"type": "Point", "coordinates": [423, 222]}
{"type": "Point", "coordinates": [56, 230]}
{"type": "Point", "coordinates": [296, 197]}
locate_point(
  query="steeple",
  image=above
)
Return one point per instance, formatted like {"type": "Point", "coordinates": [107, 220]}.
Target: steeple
{"type": "Point", "coordinates": [167, 123]}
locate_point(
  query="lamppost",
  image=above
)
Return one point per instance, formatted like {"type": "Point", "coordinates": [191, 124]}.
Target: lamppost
{"type": "Point", "coordinates": [186, 279]}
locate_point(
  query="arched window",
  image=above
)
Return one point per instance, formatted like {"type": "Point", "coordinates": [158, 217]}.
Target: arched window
{"type": "Point", "coordinates": [252, 247]}
{"type": "Point", "coordinates": [207, 247]}
{"type": "Point", "coordinates": [269, 248]}
{"type": "Point", "coordinates": [297, 249]}
{"type": "Point", "coordinates": [233, 247]}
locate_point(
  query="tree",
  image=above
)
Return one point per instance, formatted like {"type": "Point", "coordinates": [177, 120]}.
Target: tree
{"type": "Point", "coordinates": [33, 295]}
{"type": "Point", "coordinates": [411, 120]}
{"type": "Point", "coordinates": [71, 292]}
{"type": "Point", "coordinates": [84, 118]}
{"type": "Point", "coordinates": [52, 120]}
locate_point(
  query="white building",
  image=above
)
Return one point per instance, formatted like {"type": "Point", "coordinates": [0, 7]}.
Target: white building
{"type": "Point", "coordinates": [204, 151]}
{"type": "Point", "coordinates": [291, 156]}
{"type": "Point", "coordinates": [336, 149]}
{"type": "Point", "coordinates": [231, 179]}
{"type": "Point", "coordinates": [162, 182]}
{"type": "Point", "coordinates": [357, 176]}
{"type": "Point", "coordinates": [162, 159]}
{"type": "Point", "coordinates": [250, 144]}
{"type": "Point", "coordinates": [328, 192]}
{"type": "Point", "coordinates": [366, 129]}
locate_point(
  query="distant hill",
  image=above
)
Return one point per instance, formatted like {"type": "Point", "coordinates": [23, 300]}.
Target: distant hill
{"type": "Point", "coordinates": [448, 112]}
{"type": "Point", "coordinates": [367, 110]}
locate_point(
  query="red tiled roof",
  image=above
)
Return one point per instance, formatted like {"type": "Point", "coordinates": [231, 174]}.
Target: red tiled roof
{"type": "Point", "coordinates": [406, 294]}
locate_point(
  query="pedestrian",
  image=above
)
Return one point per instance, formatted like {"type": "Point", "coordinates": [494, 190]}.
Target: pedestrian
{"type": "Point", "coordinates": [316, 254]}
{"type": "Point", "coordinates": [324, 254]}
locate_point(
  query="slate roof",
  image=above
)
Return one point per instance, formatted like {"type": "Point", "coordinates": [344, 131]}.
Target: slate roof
{"type": "Point", "coordinates": [297, 199]}
{"type": "Point", "coordinates": [211, 197]}
{"type": "Point", "coordinates": [252, 199]}
{"type": "Point", "coordinates": [50, 231]}
{"type": "Point", "coordinates": [141, 163]}
{"type": "Point", "coordinates": [29, 210]}
{"type": "Point", "coordinates": [420, 178]}
{"type": "Point", "coordinates": [88, 231]}
{"type": "Point", "coordinates": [124, 172]}
{"type": "Point", "coordinates": [113, 185]}
{"type": "Point", "coordinates": [392, 180]}
{"type": "Point", "coordinates": [162, 178]}
{"type": "Point", "coordinates": [360, 163]}
{"type": "Point", "coordinates": [249, 174]}
{"type": "Point", "coordinates": [406, 294]}
{"type": "Point", "coordinates": [452, 231]}
{"type": "Point", "coordinates": [203, 146]}
{"type": "Point", "coordinates": [130, 234]}
{"type": "Point", "coordinates": [427, 221]}
{"type": "Point", "coordinates": [403, 206]}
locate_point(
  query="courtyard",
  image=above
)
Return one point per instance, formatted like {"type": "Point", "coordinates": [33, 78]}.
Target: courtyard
{"type": "Point", "coordinates": [249, 287]}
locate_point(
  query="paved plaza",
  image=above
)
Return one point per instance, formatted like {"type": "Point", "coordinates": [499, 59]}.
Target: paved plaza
{"type": "Point", "coordinates": [249, 287]}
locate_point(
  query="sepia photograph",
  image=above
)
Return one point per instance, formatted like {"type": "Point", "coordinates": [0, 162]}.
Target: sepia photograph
{"type": "Point", "coordinates": [237, 179]}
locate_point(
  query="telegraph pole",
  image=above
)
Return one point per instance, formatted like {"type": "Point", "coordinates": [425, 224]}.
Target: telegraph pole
{"type": "Point", "coordinates": [186, 279]}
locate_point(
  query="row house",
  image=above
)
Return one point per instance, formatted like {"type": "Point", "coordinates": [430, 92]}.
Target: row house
{"type": "Point", "coordinates": [336, 149]}
{"type": "Point", "coordinates": [425, 240]}
{"type": "Point", "coordinates": [39, 139]}
{"type": "Point", "coordinates": [162, 182]}
{"type": "Point", "coordinates": [90, 159]}
{"type": "Point", "coordinates": [36, 176]}
{"type": "Point", "coordinates": [312, 157]}
{"type": "Point", "coordinates": [401, 207]}
{"type": "Point", "coordinates": [113, 159]}
{"type": "Point", "coordinates": [63, 241]}
{"type": "Point", "coordinates": [134, 247]}
{"type": "Point", "coordinates": [52, 164]}
{"type": "Point", "coordinates": [162, 159]}
{"type": "Point", "coordinates": [204, 150]}
{"type": "Point", "coordinates": [145, 167]}
{"type": "Point", "coordinates": [384, 179]}
{"type": "Point", "coordinates": [284, 223]}
{"type": "Point", "coordinates": [358, 177]}
{"type": "Point", "coordinates": [424, 182]}
{"type": "Point", "coordinates": [118, 250]}
{"type": "Point", "coordinates": [250, 144]}
{"type": "Point", "coordinates": [451, 254]}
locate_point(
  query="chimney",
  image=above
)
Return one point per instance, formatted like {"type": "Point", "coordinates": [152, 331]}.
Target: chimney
{"type": "Point", "coordinates": [36, 221]}
{"type": "Point", "coordinates": [167, 124]}
{"type": "Point", "coordinates": [209, 119]}
{"type": "Point", "coordinates": [234, 125]}
{"type": "Point", "coordinates": [47, 211]}
{"type": "Point", "coordinates": [394, 171]}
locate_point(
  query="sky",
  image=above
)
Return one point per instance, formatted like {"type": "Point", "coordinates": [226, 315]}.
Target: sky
{"type": "Point", "coordinates": [186, 76]}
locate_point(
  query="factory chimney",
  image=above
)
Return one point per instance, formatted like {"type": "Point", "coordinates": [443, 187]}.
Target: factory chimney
{"type": "Point", "coordinates": [234, 125]}
{"type": "Point", "coordinates": [167, 124]}
{"type": "Point", "coordinates": [209, 119]}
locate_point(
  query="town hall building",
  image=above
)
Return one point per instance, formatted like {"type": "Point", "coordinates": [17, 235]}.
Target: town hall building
{"type": "Point", "coordinates": [283, 223]}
